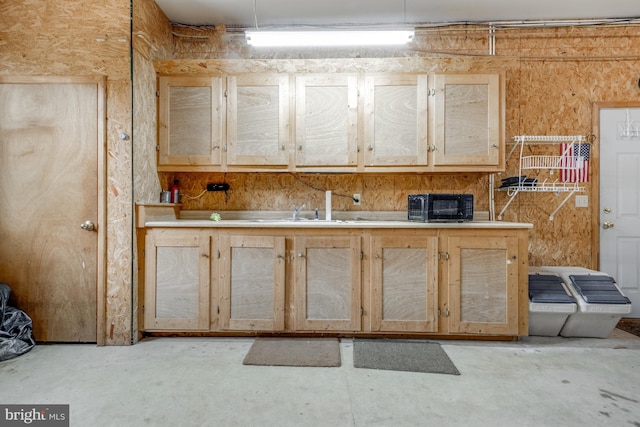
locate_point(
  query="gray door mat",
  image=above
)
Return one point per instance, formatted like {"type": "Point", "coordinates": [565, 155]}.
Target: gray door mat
{"type": "Point", "coordinates": [319, 352]}
{"type": "Point", "coordinates": [402, 355]}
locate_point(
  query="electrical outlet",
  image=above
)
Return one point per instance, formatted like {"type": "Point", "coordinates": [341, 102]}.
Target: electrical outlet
{"type": "Point", "coordinates": [356, 199]}
{"type": "Point", "coordinates": [582, 201]}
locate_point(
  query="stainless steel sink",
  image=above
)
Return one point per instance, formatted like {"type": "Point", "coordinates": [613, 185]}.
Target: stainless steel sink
{"type": "Point", "coordinates": [282, 220]}
{"type": "Point", "coordinates": [305, 220]}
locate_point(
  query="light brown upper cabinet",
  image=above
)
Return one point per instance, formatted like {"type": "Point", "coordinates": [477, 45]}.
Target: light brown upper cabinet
{"type": "Point", "coordinates": [326, 121]}
{"type": "Point", "coordinates": [468, 122]}
{"type": "Point", "coordinates": [395, 110]}
{"type": "Point", "coordinates": [190, 122]}
{"type": "Point", "coordinates": [341, 122]}
{"type": "Point", "coordinates": [258, 111]}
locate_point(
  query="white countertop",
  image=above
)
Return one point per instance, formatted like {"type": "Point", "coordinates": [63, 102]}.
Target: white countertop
{"type": "Point", "coordinates": [255, 223]}
{"type": "Point", "coordinates": [279, 219]}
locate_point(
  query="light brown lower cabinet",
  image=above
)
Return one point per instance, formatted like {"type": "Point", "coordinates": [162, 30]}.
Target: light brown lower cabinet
{"type": "Point", "coordinates": [327, 283]}
{"type": "Point", "coordinates": [177, 279]}
{"type": "Point", "coordinates": [483, 285]}
{"type": "Point", "coordinates": [428, 281]}
{"type": "Point", "coordinates": [252, 282]}
{"type": "Point", "coordinates": [404, 283]}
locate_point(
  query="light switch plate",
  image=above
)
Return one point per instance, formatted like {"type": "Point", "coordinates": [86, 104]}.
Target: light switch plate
{"type": "Point", "coordinates": [582, 201]}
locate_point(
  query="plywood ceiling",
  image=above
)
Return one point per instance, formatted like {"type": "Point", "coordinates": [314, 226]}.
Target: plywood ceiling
{"type": "Point", "coordinates": [240, 13]}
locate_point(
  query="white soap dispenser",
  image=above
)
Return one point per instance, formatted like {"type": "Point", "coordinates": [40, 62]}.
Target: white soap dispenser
{"type": "Point", "coordinates": [327, 207]}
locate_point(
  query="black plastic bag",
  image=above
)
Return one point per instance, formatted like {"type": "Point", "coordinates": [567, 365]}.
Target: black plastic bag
{"type": "Point", "coordinates": [16, 328]}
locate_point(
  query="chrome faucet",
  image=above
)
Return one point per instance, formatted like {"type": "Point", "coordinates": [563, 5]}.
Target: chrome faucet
{"type": "Point", "coordinates": [296, 211]}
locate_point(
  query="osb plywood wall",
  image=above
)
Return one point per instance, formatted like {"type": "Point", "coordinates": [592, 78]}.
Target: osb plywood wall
{"type": "Point", "coordinates": [151, 40]}
{"type": "Point", "coordinates": [553, 77]}
{"type": "Point", "coordinates": [561, 75]}
{"type": "Point", "coordinates": [271, 191]}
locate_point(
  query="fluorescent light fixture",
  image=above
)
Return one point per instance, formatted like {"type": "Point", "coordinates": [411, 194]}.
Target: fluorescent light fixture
{"type": "Point", "coordinates": [294, 38]}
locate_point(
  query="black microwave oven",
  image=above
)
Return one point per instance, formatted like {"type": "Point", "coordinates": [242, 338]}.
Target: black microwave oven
{"type": "Point", "coordinates": [440, 207]}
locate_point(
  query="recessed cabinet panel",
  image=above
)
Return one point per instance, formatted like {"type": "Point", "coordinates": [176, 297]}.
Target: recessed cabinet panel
{"type": "Point", "coordinates": [466, 114]}
{"type": "Point", "coordinates": [483, 285]}
{"type": "Point", "coordinates": [258, 126]}
{"type": "Point", "coordinates": [252, 288]}
{"type": "Point", "coordinates": [405, 283]}
{"type": "Point", "coordinates": [328, 296]}
{"type": "Point", "coordinates": [326, 120]}
{"type": "Point", "coordinates": [467, 120]}
{"type": "Point", "coordinates": [190, 121]}
{"type": "Point", "coordinates": [395, 120]}
{"type": "Point", "coordinates": [258, 120]}
{"type": "Point", "coordinates": [177, 280]}
{"type": "Point", "coordinates": [251, 295]}
{"type": "Point", "coordinates": [483, 300]}
{"type": "Point", "coordinates": [327, 283]}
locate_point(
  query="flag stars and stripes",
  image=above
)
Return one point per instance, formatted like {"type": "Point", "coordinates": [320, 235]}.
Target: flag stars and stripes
{"type": "Point", "coordinates": [574, 162]}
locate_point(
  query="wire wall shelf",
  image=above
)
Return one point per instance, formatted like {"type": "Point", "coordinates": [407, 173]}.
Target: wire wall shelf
{"type": "Point", "coordinates": [571, 162]}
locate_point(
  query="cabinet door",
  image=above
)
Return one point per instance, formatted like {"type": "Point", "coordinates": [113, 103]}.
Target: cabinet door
{"type": "Point", "coordinates": [326, 120]}
{"type": "Point", "coordinates": [395, 120]}
{"type": "Point", "coordinates": [176, 280]}
{"type": "Point", "coordinates": [483, 285]}
{"type": "Point", "coordinates": [327, 283]}
{"type": "Point", "coordinates": [404, 284]}
{"type": "Point", "coordinates": [252, 283]}
{"type": "Point", "coordinates": [468, 120]}
{"type": "Point", "coordinates": [190, 121]}
{"type": "Point", "coordinates": [258, 120]}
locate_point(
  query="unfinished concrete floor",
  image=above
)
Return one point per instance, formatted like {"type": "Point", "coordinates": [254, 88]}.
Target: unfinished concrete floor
{"type": "Point", "coordinates": [202, 382]}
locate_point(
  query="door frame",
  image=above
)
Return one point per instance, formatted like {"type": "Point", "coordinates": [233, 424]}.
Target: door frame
{"type": "Point", "coordinates": [100, 82]}
{"type": "Point", "coordinates": [595, 167]}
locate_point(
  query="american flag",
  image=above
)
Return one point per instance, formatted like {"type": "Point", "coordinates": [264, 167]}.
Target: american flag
{"type": "Point", "coordinates": [574, 162]}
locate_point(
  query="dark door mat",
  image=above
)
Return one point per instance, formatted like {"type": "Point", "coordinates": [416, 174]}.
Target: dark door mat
{"type": "Point", "coordinates": [402, 355]}
{"type": "Point", "coordinates": [630, 325]}
{"type": "Point", "coordinates": [319, 352]}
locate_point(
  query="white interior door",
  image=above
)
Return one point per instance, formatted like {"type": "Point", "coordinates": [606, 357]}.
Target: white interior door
{"type": "Point", "coordinates": [620, 199]}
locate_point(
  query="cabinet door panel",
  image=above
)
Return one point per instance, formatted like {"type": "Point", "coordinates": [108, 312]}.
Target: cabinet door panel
{"type": "Point", "coordinates": [483, 285]}
{"type": "Point", "coordinates": [176, 280]}
{"type": "Point", "coordinates": [405, 281]}
{"type": "Point", "coordinates": [326, 120]}
{"type": "Point", "coordinates": [190, 121]}
{"type": "Point", "coordinates": [467, 119]}
{"type": "Point", "coordinates": [252, 288]}
{"type": "Point", "coordinates": [258, 120]}
{"type": "Point", "coordinates": [482, 300]}
{"type": "Point", "coordinates": [327, 283]}
{"type": "Point", "coordinates": [466, 113]}
{"type": "Point", "coordinates": [328, 295]}
{"type": "Point", "coordinates": [395, 120]}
